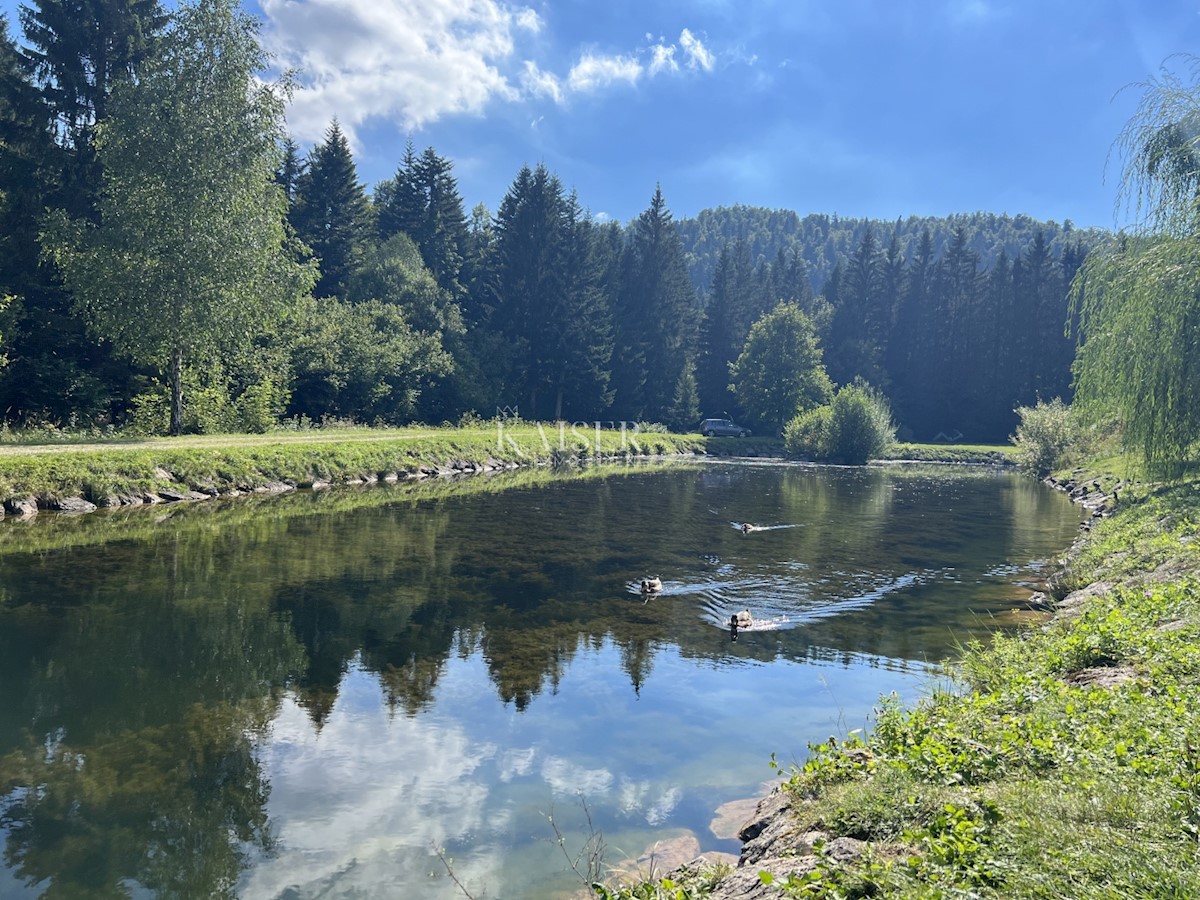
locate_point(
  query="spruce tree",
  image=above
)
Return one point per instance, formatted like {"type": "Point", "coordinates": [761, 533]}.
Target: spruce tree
{"type": "Point", "coordinates": [287, 176]}
{"type": "Point", "coordinates": [657, 317]}
{"type": "Point", "coordinates": [422, 201]}
{"type": "Point", "coordinates": [551, 302]}
{"type": "Point", "coordinates": [331, 214]}
{"type": "Point", "coordinates": [77, 51]}
{"type": "Point", "coordinates": [530, 251]}
{"type": "Point", "coordinates": [57, 90]}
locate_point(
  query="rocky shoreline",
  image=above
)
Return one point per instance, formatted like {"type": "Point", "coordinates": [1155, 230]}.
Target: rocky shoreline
{"type": "Point", "coordinates": [171, 489]}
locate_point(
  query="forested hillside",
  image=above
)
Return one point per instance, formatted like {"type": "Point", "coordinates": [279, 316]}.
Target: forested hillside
{"type": "Point", "coordinates": [821, 239]}
{"type": "Point", "coordinates": [955, 343]}
{"type": "Point", "coordinates": [173, 261]}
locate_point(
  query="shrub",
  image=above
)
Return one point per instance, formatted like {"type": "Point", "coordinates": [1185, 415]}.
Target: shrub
{"type": "Point", "coordinates": [855, 427]}
{"type": "Point", "coordinates": [861, 427]}
{"type": "Point", "coordinates": [1046, 436]}
{"type": "Point", "coordinates": [808, 433]}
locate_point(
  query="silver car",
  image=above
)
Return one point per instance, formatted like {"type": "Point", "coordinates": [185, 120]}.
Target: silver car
{"type": "Point", "coordinates": [722, 428]}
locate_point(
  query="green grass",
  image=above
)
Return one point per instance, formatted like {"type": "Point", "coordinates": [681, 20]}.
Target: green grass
{"type": "Point", "coordinates": [99, 471]}
{"type": "Point", "coordinates": [982, 454]}
{"type": "Point", "coordinates": [1024, 777]}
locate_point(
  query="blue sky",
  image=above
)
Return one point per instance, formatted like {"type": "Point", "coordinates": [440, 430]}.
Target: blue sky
{"type": "Point", "coordinates": [880, 108]}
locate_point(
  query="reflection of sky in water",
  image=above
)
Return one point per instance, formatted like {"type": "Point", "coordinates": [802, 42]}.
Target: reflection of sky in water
{"type": "Point", "coordinates": [359, 805]}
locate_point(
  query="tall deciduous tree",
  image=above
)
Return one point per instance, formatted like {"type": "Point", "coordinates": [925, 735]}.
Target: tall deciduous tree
{"type": "Point", "coordinates": [779, 372]}
{"type": "Point", "coordinates": [331, 213]}
{"type": "Point", "coordinates": [188, 252]}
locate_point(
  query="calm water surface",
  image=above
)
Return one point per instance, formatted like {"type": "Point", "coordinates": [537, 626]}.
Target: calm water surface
{"type": "Point", "coordinates": [303, 697]}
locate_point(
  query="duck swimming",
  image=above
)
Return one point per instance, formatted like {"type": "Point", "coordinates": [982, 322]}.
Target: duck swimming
{"type": "Point", "coordinates": [652, 585]}
{"type": "Point", "coordinates": [738, 620]}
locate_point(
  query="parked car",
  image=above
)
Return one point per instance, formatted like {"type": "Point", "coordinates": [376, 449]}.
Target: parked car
{"type": "Point", "coordinates": [722, 428]}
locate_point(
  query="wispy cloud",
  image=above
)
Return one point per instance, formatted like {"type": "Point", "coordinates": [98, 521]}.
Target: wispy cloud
{"type": "Point", "coordinates": [541, 84]}
{"type": "Point", "coordinates": [593, 72]}
{"type": "Point", "coordinates": [662, 59]}
{"type": "Point", "coordinates": [699, 57]}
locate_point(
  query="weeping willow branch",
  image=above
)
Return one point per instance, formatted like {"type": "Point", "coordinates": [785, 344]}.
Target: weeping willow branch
{"type": "Point", "coordinates": [1137, 299]}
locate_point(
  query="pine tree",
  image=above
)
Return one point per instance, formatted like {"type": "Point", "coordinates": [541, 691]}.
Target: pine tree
{"type": "Point", "coordinates": [290, 170]}
{"type": "Point", "coordinates": [684, 410]}
{"type": "Point", "coordinates": [531, 246]}
{"type": "Point", "coordinates": [77, 50]}
{"type": "Point", "coordinates": [726, 322]}
{"type": "Point", "coordinates": [585, 328]}
{"type": "Point", "coordinates": [911, 358]}
{"type": "Point", "coordinates": [422, 201]}
{"type": "Point", "coordinates": [657, 316]}
{"type": "Point", "coordinates": [855, 338]}
{"type": "Point", "coordinates": [400, 200]}
{"type": "Point", "coordinates": [27, 156]}
{"type": "Point", "coordinates": [57, 90]}
{"type": "Point", "coordinates": [331, 214]}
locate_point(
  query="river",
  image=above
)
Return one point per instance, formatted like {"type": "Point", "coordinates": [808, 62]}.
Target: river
{"type": "Point", "coordinates": [306, 696]}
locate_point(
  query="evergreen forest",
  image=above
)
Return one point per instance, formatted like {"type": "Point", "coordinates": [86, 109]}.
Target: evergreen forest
{"type": "Point", "coordinates": [171, 260]}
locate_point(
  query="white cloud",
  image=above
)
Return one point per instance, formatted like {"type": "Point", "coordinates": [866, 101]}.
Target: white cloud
{"type": "Point", "coordinates": [568, 778]}
{"type": "Point", "coordinates": [366, 798]}
{"type": "Point", "coordinates": [529, 20]}
{"type": "Point", "coordinates": [412, 61]}
{"type": "Point", "coordinates": [663, 59]}
{"type": "Point", "coordinates": [541, 84]}
{"type": "Point", "coordinates": [594, 72]}
{"type": "Point", "coordinates": [699, 56]}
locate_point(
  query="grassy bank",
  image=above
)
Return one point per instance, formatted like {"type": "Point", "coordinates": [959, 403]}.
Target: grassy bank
{"type": "Point", "coordinates": [107, 473]}
{"type": "Point", "coordinates": [972, 454]}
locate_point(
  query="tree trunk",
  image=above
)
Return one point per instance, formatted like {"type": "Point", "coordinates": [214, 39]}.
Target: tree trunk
{"type": "Point", "coordinates": [558, 404]}
{"type": "Point", "coordinates": [177, 391]}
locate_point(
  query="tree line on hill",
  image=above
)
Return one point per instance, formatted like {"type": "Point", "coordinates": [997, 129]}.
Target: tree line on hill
{"type": "Point", "coordinates": [255, 284]}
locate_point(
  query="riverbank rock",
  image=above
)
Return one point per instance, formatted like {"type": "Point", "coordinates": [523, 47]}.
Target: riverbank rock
{"type": "Point", "coordinates": [178, 495]}
{"type": "Point", "coordinates": [659, 858]}
{"type": "Point", "coordinates": [731, 816]}
{"type": "Point", "coordinates": [72, 505]}
{"type": "Point", "coordinates": [274, 487]}
{"type": "Point", "coordinates": [22, 507]}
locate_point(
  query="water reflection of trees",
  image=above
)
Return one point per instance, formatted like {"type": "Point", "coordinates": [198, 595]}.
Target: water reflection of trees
{"type": "Point", "coordinates": [173, 808]}
{"type": "Point", "coordinates": [140, 670]}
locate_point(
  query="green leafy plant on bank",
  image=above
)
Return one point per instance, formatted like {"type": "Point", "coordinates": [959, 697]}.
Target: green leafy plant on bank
{"type": "Point", "coordinates": [1048, 437]}
{"type": "Point", "coordinates": [854, 427]}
